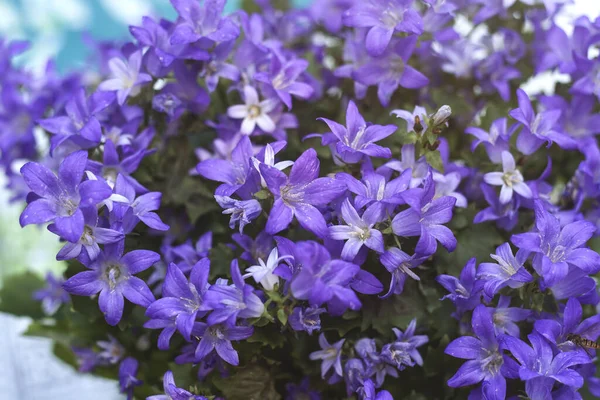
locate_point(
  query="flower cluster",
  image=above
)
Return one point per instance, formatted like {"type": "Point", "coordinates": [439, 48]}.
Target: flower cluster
{"type": "Point", "coordinates": [291, 194]}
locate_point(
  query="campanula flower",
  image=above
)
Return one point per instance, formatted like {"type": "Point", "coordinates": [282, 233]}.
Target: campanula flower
{"type": "Point", "coordinates": [52, 295]}
{"type": "Point", "coordinates": [254, 112]}
{"type": "Point", "coordinates": [263, 272]}
{"type": "Point", "coordinates": [330, 354]}
{"type": "Point", "coordinates": [241, 211]}
{"type": "Point", "coordinates": [306, 319]}
{"type": "Point", "coordinates": [507, 271]}
{"type": "Point", "coordinates": [172, 392]}
{"type": "Point", "coordinates": [465, 291]}
{"type": "Point", "coordinates": [282, 79]}
{"type": "Point", "coordinates": [128, 370]}
{"type": "Point", "coordinates": [218, 337]}
{"type": "Point", "coordinates": [495, 141]}
{"type": "Point", "coordinates": [198, 22]}
{"type": "Point", "coordinates": [400, 265]}
{"type": "Point", "coordinates": [403, 351]}
{"type": "Point", "coordinates": [510, 179]}
{"type": "Point", "coordinates": [127, 77]}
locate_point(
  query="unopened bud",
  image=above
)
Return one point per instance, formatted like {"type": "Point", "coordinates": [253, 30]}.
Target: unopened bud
{"type": "Point", "coordinates": [442, 115]}
{"type": "Point", "coordinates": [418, 127]}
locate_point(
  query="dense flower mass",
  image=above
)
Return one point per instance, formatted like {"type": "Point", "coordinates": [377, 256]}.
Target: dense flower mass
{"type": "Point", "coordinates": [324, 203]}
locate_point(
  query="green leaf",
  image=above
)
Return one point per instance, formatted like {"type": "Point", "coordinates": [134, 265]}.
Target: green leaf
{"type": "Point", "coordinates": [16, 295]}
{"type": "Point", "coordinates": [282, 316]}
{"type": "Point", "coordinates": [434, 158]}
{"type": "Point", "coordinates": [251, 383]}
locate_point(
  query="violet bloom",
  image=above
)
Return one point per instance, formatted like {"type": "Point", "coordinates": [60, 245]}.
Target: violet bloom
{"type": "Point", "coordinates": [403, 351]}
{"type": "Point", "coordinates": [234, 173]}
{"type": "Point", "coordinates": [383, 17]}
{"type": "Point", "coordinates": [282, 79]}
{"type": "Point", "coordinates": [92, 236]}
{"type": "Point", "coordinates": [241, 211]}
{"type": "Point", "coordinates": [368, 392]}
{"type": "Point", "coordinates": [425, 218]}
{"type": "Point", "coordinates": [538, 128]}
{"type": "Point", "coordinates": [127, 376]}
{"type": "Point", "coordinates": [419, 169]}
{"type": "Point", "coordinates": [219, 337]}
{"type": "Point", "coordinates": [233, 302]}
{"type": "Point", "coordinates": [358, 231]}
{"type": "Point", "coordinates": [505, 215]}
{"type": "Point", "coordinates": [376, 192]}
{"type": "Point", "coordinates": [300, 194]}
{"type": "Point", "coordinates": [172, 392]}
{"type": "Point", "coordinates": [330, 354]}
{"type": "Point", "coordinates": [485, 361]}
{"type": "Point", "coordinates": [465, 291]}
{"type": "Point", "coordinates": [557, 331]}
{"type": "Point", "coordinates": [446, 185]}
{"type": "Point", "coordinates": [505, 317]}
{"type": "Point", "coordinates": [182, 301]}
{"type": "Point", "coordinates": [52, 295]}
{"type": "Point", "coordinates": [556, 248]}
{"type": "Point", "coordinates": [495, 141]}
{"type": "Point", "coordinates": [217, 68]}
{"type": "Point", "coordinates": [357, 139]}
{"type": "Point", "coordinates": [323, 280]}
{"type": "Point", "coordinates": [400, 265]}
{"type": "Point", "coordinates": [392, 70]}
{"type": "Point", "coordinates": [197, 22]}
{"type": "Point", "coordinates": [61, 199]}
{"type": "Point", "coordinates": [541, 368]}
{"type": "Point", "coordinates": [510, 179]}
{"type": "Point", "coordinates": [507, 271]}
{"type": "Point", "coordinates": [416, 121]}
{"type": "Point", "coordinates": [80, 125]}
{"type": "Point", "coordinates": [306, 319]}
{"type": "Point", "coordinates": [254, 112]}
{"type": "Point", "coordinates": [111, 274]}
{"type": "Point", "coordinates": [111, 350]}
{"type": "Point", "coordinates": [127, 77]}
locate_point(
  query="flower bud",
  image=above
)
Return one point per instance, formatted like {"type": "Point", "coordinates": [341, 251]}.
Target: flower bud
{"type": "Point", "coordinates": [442, 115]}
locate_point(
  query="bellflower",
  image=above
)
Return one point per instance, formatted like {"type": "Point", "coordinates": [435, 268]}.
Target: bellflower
{"type": "Point", "coordinates": [282, 79]}
{"type": "Point", "coordinates": [510, 180]}
{"type": "Point", "coordinates": [416, 121]}
{"type": "Point", "coordinates": [392, 70]}
{"type": "Point", "coordinates": [446, 185]}
{"type": "Point", "coordinates": [263, 273]}
{"type": "Point", "coordinates": [127, 77]}
{"type": "Point", "coordinates": [357, 139]}
{"type": "Point", "coordinates": [233, 302]}
{"type": "Point", "coordinates": [127, 376]}
{"type": "Point", "coordinates": [197, 22]}
{"type": "Point", "coordinates": [217, 67]}
{"type": "Point", "coordinates": [330, 354]}
{"type": "Point", "coordinates": [52, 295]}
{"type": "Point", "coordinates": [465, 291]}
{"type": "Point", "coordinates": [254, 112]}
{"type": "Point", "coordinates": [182, 301]}
{"type": "Point", "coordinates": [172, 392]}
{"type": "Point", "coordinates": [111, 350]}
{"type": "Point", "coordinates": [112, 274]}
{"type": "Point", "coordinates": [300, 194]}
{"type": "Point", "coordinates": [403, 351]}
{"type": "Point", "coordinates": [505, 215]}
{"type": "Point", "coordinates": [400, 265]}
{"type": "Point", "coordinates": [541, 368]}
{"type": "Point", "coordinates": [538, 128]}
{"type": "Point", "coordinates": [419, 169]}
{"type": "Point", "coordinates": [495, 141]}
{"type": "Point", "coordinates": [61, 198]}
{"type": "Point", "coordinates": [306, 319]}
{"type": "Point", "coordinates": [368, 392]}
{"type": "Point", "coordinates": [242, 211]}
{"type": "Point", "coordinates": [485, 361]}
{"type": "Point", "coordinates": [556, 248]}
{"type": "Point", "coordinates": [507, 271]}
{"type": "Point", "coordinates": [425, 218]}
{"type": "Point", "coordinates": [505, 317]}
{"type": "Point", "coordinates": [358, 231]}
{"type": "Point", "coordinates": [383, 18]}
{"type": "Point", "coordinates": [218, 337]}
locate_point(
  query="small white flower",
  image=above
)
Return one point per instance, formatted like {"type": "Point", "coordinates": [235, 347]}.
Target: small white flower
{"type": "Point", "coordinates": [510, 180]}
{"type": "Point", "coordinates": [254, 112]}
{"type": "Point", "coordinates": [263, 273]}
{"type": "Point", "coordinates": [270, 161]}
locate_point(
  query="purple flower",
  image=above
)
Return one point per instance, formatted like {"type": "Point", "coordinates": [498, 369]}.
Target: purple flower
{"type": "Point", "coordinates": [505, 317]}
{"type": "Point", "coordinates": [416, 121]}
{"type": "Point", "coordinates": [61, 199]}
{"type": "Point", "coordinates": [392, 70]}
{"type": "Point", "coordinates": [556, 248]}
{"type": "Point", "coordinates": [495, 141]}
{"type": "Point", "coordinates": [172, 392]}
{"type": "Point", "coordinates": [111, 274]}
{"type": "Point", "coordinates": [383, 17]}
{"type": "Point", "coordinates": [538, 128]}
{"type": "Point", "coordinates": [357, 139]}
{"type": "Point", "coordinates": [485, 362]}
{"type": "Point", "coordinates": [242, 211]}
{"type": "Point", "coordinates": [127, 376]}
{"type": "Point", "coordinates": [465, 291]}
{"type": "Point", "coordinates": [368, 392]}
{"type": "Point", "coordinates": [217, 67]}
{"type": "Point", "coordinates": [403, 351]}
{"type": "Point", "coordinates": [300, 194]}
{"type": "Point", "coordinates": [197, 22]}
{"type": "Point", "coordinates": [127, 77]}
{"type": "Point", "coordinates": [541, 367]}
{"type": "Point", "coordinates": [306, 319]}
{"type": "Point", "coordinates": [52, 295]}
{"type": "Point", "coordinates": [446, 185]}
{"type": "Point", "coordinates": [510, 180]}
{"type": "Point", "coordinates": [323, 280]}
{"type": "Point", "coordinates": [400, 265]}
{"type": "Point", "coordinates": [425, 218]}
{"type": "Point", "coordinates": [508, 271]}
{"type": "Point", "coordinates": [219, 337]}
{"type": "Point", "coordinates": [282, 79]}
{"type": "Point", "coordinates": [506, 215]}
{"type": "Point", "coordinates": [111, 351]}
{"type": "Point", "coordinates": [233, 302]}
{"type": "Point", "coordinates": [254, 112]}
{"type": "Point", "coordinates": [80, 125]}
{"type": "Point", "coordinates": [419, 169]}
{"type": "Point", "coordinates": [330, 354]}
{"type": "Point", "coordinates": [182, 301]}
{"type": "Point", "coordinates": [357, 231]}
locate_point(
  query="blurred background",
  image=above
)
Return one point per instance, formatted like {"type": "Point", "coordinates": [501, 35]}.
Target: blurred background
{"type": "Point", "coordinates": [57, 29]}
